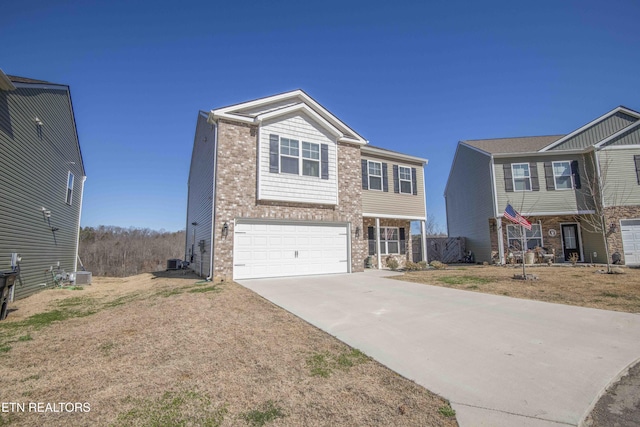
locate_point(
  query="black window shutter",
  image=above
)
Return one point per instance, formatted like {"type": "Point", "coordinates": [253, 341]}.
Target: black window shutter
{"type": "Point", "coordinates": [575, 171]}
{"type": "Point", "coordinates": [508, 181]}
{"type": "Point", "coordinates": [403, 249]}
{"type": "Point", "coordinates": [548, 176]}
{"type": "Point", "coordinates": [372, 240]}
{"type": "Point", "coordinates": [324, 161]}
{"type": "Point", "coordinates": [385, 179]}
{"type": "Point", "coordinates": [396, 179]}
{"type": "Point", "coordinates": [274, 153]}
{"type": "Point", "coordinates": [365, 175]}
{"type": "Point", "coordinates": [533, 172]}
{"type": "Point", "coordinates": [414, 181]}
{"type": "Point", "coordinates": [636, 159]}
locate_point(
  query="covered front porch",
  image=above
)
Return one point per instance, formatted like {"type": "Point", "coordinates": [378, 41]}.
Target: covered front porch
{"type": "Point", "coordinates": [391, 238]}
{"type": "Point", "coordinates": [560, 238]}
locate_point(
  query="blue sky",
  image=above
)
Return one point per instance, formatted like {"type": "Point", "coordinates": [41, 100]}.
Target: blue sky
{"type": "Point", "coordinates": [415, 77]}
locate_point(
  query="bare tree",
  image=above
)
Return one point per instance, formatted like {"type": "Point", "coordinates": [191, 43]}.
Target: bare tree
{"type": "Point", "coordinates": [116, 251]}
{"type": "Point", "coordinates": [600, 191]}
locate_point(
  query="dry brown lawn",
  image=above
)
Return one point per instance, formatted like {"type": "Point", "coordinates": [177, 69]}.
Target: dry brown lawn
{"type": "Point", "coordinates": [166, 349]}
{"type": "Point", "coordinates": [574, 285]}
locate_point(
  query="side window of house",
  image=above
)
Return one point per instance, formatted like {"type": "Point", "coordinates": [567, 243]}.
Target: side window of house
{"type": "Point", "coordinates": [405, 180]}
{"type": "Point", "coordinates": [521, 177]}
{"type": "Point", "coordinates": [295, 157]}
{"type": "Point", "coordinates": [69, 197]}
{"type": "Point", "coordinates": [636, 160]}
{"type": "Point", "coordinates": [392, 240]}
{"type": "Point", "coordinates": [374, 175]}
{"type": "Point", "coordinates": [514, 237]}
{"type": "Point", "coordinates": [562, 175]}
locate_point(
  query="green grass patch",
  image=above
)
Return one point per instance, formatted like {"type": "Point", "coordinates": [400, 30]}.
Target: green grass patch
{"type": "Point", "coordinates": [213, 288]}
{"type": "Point", "coordinates": [166, 293]}
{"type": "Point", "coordinates": [5, 348]}
{"type": "Point", "coordinates": [178, 409]}
{"type": "Point", "coordinates": [25, 338]}
{"type": "Point", "coordinates": [464, 280]}
{"type": "Point", "coordinates": [447, 411]}
{"type": "Point", "coordinates": [610, 295]}
{"type": "Point", "coordinates": [31, 377]}
{"type": "Point", "coordinates": [324, 364]}
{"type": "Point", "coordinates": [122, 300]}
{"type": "Point", "coordinates": [267, 413]}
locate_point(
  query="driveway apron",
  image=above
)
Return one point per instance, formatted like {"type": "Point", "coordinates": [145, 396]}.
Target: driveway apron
{"type": "Point", "coordinates": [500, 361]}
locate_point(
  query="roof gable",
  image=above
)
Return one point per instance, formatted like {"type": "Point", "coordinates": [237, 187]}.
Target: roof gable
{"type": "Point", "coordinates": [594, 132]}
{"type": "Point", "coordinates": [296, 101]}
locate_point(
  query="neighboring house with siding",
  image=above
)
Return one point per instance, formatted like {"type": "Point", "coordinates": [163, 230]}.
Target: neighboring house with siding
{"type": "Point", "coordinates": [41, 181]}
{"type": "Point", "coordinates": [559, 183]}
{"type": "Point", "coordinates": [279, 186]}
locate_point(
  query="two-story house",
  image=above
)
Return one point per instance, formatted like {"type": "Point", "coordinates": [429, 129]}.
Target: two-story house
{"type": "Point", "coordinates": [580, 191]}
{"type": "Point", "coordinates": [279, 186]}
{"type": "Point", "coordinates": [41, 182]}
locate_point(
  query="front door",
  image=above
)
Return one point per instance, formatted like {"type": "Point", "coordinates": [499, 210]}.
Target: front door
{"type": "Point", "coordinates": [570, 243]}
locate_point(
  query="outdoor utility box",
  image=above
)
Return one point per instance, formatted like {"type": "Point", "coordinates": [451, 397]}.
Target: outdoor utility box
{"type": "Point", "coordinates": [83, 278]}
{"type": "Point", "coordinates": [174, 264]}
{"type": "Point", "coordinates": [7, 280]}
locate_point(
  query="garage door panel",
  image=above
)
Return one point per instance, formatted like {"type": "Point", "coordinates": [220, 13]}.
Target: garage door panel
{"type": "Point", "coordinates": [274, 250]}
{"type": "Point", "coordinates": [631, 241]}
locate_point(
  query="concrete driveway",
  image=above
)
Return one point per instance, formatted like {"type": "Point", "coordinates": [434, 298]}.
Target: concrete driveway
{"type": "Point", "coordinates": [500, 361]}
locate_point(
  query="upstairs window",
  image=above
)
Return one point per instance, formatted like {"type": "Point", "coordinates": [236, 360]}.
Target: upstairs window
{"type": "Point", "coordinates": [375, 175]}
{"type": "Point", "coordinates": [521, 176]}
{"type": "Point", "coordinates": [289, 154]}
{"type": "Point", "coordinates": [310, 159]}
{"type": "Point", "coordinates": [404, 174]}
{"type": "Point", "coordinates": [69, 188]}
{"type": "Point", "coordinates": [562, 175]}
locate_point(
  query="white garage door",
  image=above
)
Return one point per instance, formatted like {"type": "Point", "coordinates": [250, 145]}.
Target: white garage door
{"type": "Point", "coordinates": [263, 249]}
{"type": "Point", "coordinates": [631, 240]}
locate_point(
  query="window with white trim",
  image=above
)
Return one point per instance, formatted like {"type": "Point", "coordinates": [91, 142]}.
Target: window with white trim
{"type": "Point", "coordinates": [514, 236]}
{"type": "Point", "coordinates": [562, 175]}
{"type": "Point", "coordinates": [375, 175]}
{"type": "Point", "coordinates": [69, 197]}
{"type": "Point", "coordinates": [521, 176]}
{"type": "Point", "coordinates": [389, 240]}
{"type": "Point", "coordinates": [310, 159]}
{"type": "Point", "coordinates": [289, 156]}
{"type": "Point", "coordinates": [404, 174]}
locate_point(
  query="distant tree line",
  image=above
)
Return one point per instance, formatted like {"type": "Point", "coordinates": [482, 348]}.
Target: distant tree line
{"type": "Point", "coordinates": [117, 252]}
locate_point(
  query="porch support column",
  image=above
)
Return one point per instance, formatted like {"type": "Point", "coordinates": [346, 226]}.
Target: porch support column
{"type": "Point", "coordinates": [501, 241]}
{"type": "Point", "coordinates": [378, 243]}
{"type": "Point", "coordinates": [423, 236]}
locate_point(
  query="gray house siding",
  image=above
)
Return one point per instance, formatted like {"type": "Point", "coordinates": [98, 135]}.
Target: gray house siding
{"type": "Point", "coordinates": [620, 180]}
{"type": "Point", "coordinates": [543, 200]}
{"type": "Point", "coordinates": [35, 163]}
{"type": "Point", "coordinates": [630, 137]}
{"type": "Point", "coordinates": [597, 132]}
{"type": "Point", "coordinates": [200, 199]}
{"type": "Point", "coordinates": [469, 201]}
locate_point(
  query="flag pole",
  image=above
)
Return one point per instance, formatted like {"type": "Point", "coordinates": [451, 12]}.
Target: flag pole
{"type": "Point", "coordinates": [524, 248]}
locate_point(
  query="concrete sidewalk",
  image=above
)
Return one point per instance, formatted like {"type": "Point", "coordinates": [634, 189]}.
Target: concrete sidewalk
{"type": "Point", "coordinates": [500, 361]}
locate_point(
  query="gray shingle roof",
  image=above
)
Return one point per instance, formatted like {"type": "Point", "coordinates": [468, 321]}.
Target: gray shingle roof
{"type": "Point", "coordinates": [526, 144]}
{"type": "Point", "coordinates": [18, 79]}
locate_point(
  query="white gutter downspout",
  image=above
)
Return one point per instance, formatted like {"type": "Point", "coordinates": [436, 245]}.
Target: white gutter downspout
{"type": "Point", "coordinates": [213, 199]}
{"type": "Point", "coordinates": [494, 193]}
{"type": "Point", "coordinates": [75, 262]}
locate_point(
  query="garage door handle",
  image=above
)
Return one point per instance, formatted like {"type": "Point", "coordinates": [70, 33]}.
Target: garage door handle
{"type": "Point", "coordinates": [239, 265]}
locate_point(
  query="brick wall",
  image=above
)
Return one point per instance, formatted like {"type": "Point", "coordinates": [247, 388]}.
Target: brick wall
{"type": "Point", "coordinates": [613, 215]}
{"type": "Point", "coordinates": [236, 195]}
{"type": "Point", "coordinates": [385, 222]}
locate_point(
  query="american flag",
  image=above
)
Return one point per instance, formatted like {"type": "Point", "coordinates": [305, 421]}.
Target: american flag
{"type": "Point", "coordinates": [514, 216]}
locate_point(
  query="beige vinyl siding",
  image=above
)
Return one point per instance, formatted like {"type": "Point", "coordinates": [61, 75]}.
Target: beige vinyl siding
{"type": "Point", "coordinates": [297, 188]}
{"type": "Point", "coordinates": [34, 168]}
{"type": "Point", "coordinates": [542, 201]}
{"type": "Point", "coordinates": [618, 171]}
{"type": "Point", "coordinates": [469, 201]}
{"type": "Point", "coordinates": [390, 203]}
{"type": "Point", "coordinates": [201, 195]}
{"type": "Point", "coordinates": [592, 242]}
{"type": "Point", "coordinates": [597, 132]}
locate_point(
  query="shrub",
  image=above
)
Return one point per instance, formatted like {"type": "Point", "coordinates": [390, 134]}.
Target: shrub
{"type": "Point", "coordinates": [411, 266]}
{"type": "Point", "coordinates": [392, 263]}
{"type": "Point", "coordinates": [438, 265]}
{"type": "Point", "coordinates": [422, 265]}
